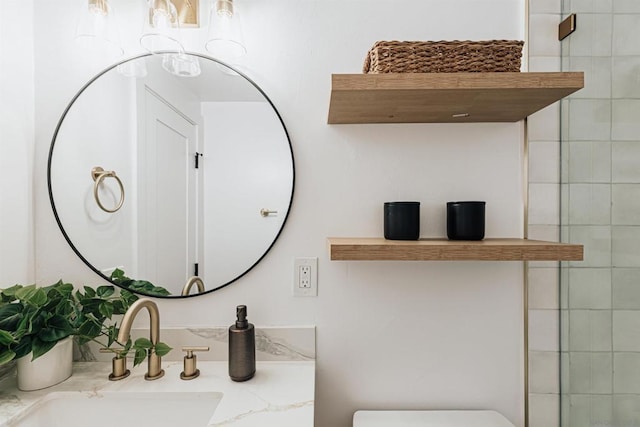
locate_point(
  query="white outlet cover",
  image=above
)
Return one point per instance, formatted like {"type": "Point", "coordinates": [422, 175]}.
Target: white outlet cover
{"type": "Point", "coordinates": [312, 290]}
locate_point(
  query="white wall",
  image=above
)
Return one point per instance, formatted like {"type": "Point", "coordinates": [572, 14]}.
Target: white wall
{"type": "Point", "coordinates": [99, 130]}
{"type": "Point", "coordinates": [16, 142]}
{"type": "Point", "coordinates": [389, 334]}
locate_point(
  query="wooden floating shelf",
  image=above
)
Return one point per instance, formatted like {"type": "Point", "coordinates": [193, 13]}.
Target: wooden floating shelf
{"type": "Point", "coordinates": [379, 249]}
{"type": "Point", "coordinates": [446, 97]}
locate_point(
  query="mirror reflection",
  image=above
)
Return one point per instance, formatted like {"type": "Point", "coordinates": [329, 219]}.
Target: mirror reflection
{"type": "Point", "coordinates": [171, 174]}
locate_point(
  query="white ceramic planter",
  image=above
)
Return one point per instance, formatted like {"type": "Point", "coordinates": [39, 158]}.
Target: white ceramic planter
{"type": "Point", "coordinates": [47, 370]}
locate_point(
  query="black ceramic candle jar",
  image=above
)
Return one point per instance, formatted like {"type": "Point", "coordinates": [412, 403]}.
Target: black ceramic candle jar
{"type": "Point", "coordinates": [402, 220]}
{"type": "Point", "coordinates": [465, 220]}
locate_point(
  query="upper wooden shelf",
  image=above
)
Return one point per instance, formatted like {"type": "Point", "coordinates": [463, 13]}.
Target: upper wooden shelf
{"type": "Point", "coordinates": [446, 97]}
{"type": "Point", "coordinates": [379, 249]}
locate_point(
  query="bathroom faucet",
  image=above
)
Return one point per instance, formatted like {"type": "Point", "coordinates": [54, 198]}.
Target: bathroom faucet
{"type": "Point", "coordinates": [194, 280]}
{"type": "Point", "coordinates": [154, 369]}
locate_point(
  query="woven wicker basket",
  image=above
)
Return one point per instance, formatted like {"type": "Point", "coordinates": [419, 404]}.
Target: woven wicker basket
{"type": "Point", "coordinates": [444, 56]}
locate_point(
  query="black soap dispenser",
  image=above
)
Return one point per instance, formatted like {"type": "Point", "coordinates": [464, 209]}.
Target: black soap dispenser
{"type": "Point", "coordinates": [242, 347]}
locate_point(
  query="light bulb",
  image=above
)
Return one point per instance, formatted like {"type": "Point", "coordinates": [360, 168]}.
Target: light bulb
{"type": "Point", "coordinates": [224, 9]}
{"type": "Point", "coordinates": [161, 28]}
{"type": "Point", "coordinates": [161, 19]}
{"type": "Point", "coordinates": [97, 31]}
{"type": "Point", "coordinates": [98, 7]}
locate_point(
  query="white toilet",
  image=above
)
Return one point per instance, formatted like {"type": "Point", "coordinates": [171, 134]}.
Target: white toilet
{"type": "Point", "coordinates": [429, 419]}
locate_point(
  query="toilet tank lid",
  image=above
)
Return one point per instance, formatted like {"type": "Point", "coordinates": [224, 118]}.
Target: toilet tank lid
{"type": "Point", "coordinates": [430, 419]}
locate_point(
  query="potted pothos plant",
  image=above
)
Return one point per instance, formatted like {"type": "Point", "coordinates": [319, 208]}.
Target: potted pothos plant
{"type": "Point", "coordinates": [34, 319]}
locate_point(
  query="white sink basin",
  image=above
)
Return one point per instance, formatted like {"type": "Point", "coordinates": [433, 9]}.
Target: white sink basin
{"type": "Point", "coordinates": [122, 409]}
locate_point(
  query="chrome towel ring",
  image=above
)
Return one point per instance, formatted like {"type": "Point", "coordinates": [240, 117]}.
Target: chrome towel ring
{"type": "Point", "coordinates": [98, 174]}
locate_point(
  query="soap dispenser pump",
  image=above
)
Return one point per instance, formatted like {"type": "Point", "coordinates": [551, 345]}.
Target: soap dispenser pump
{"type": "Point", "coordinates": [242, 347]}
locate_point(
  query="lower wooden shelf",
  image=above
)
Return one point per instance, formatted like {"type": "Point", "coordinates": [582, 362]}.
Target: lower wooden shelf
{"type": "Point", "coordinates": [379, 249]}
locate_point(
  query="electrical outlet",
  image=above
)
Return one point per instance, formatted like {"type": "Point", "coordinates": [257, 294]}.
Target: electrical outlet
{"type": "Point", "coordinates": [305, 277]}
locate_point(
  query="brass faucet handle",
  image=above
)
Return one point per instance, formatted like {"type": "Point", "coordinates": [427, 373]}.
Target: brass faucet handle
{"type": "Point", "coordinates": [190, 370]}
{"type": "Point", "coordinates": [119, 369]}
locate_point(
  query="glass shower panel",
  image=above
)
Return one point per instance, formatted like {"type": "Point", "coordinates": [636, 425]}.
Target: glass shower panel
{"type": "Point", "coordinates": [600, 208]}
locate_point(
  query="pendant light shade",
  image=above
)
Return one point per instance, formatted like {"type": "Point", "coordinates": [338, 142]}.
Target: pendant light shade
{"type": "Point", "coordinates": [225, 40]}
{"type": "Point", "coordinates": [161, 28]}
{"type": "Point", "coordinates": [97, 28]}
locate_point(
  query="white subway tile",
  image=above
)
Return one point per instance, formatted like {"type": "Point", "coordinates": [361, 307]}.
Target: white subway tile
{"type": "Point", "coordinates": [625, 246]}
{"type": "Point", "coordinates": [589, 288]}
{"type": "Point", "coordinates": [590, 373]}
{"type": "Point", "coordinates": [544, 372]}
{"type": "Point", "coordinates": [625, 76]}
{"type": "Point", "coordinates": [625, 34]}
{"type": "Point", "coordinates": [625, 125]}
{"type": "Point", "coordinates": [589, 120]}
{"type": "Point", "coordinates": [543, 35]}
{"type": "Point", "coordinates": [544, 125]}
{"type": "Point", "coordinates": [544, 161]}
{"type": "Point", "coordinates": [625, 204]}
{"type": "Point", "coordinates": [543, 288]}
{"type": "Point", "coordinates": [626, 373]}
{"type": "Point", "coordinates": [544, 330]}
{"type": "Point", "coordinates": [590, 204]}
{"type": "Point", "coordinates": [626, 292]}
{"type": "Point", "coordinates": [590, 330]}
{"type": "Point", "coordinates": [589, 161]}
{"type": "Point", "coordinates": [626, 330]}
{"type": "Point", "coordinates": [544, 204]}
{"type": "Point", "coordinates": [544, 410]}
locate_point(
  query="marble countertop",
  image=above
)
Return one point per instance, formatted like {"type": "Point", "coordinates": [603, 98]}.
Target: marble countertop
{"type": "Point", "coordinates": [281, 393]}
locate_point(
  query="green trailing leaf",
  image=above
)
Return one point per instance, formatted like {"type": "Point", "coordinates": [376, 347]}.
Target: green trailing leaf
{"type": "Point", "coordinates": [128, 345]}
{"type": "Point", "coordinates": [65, 289]}
{"type": "Point", "coordinates": [117, 276]}
{"type": "Point", "coordinates": [162, 349]}
{"type": "Point", "coordinates": [6, 338]}
{"type": "Point", "coordinates": [65, 308]}
{"type": "Point", "coordinates": [147, 288]}
{"type": "Point", "coordinates": [112, 335]}
{"type": "Point", "coordinates": [39, 347]}
{"type": "Point", "coordinates": [9, 294]}
{"type": "Point", "coordinates": [106, 309]}
{"type": "Point", "coordinates": [6, 356]}
{"type": "Point", "coordinates": [91, 305]}
{"type": "Point", "coordinates": [88, 330]}
{"type": "Point", "coordinates": [25, 292]}
{"type": "Point", "coordinates": [24, 325]}
{"type": "Point", "coordinates": [10, 316]}
{"type": "Point", "coordinates": [128, 297]}
{"type": "Point", "coordinates": [143, 343]}
{"type": "Point", "coordinates": [89, 292]}
{"type": "Point", "coordinates": [118, 307]}
{"type": "Point", "coordinates": [57, 328]}
{"type": "Point", "coordinates": [139, 356]}
{"type": "Point", "coordinates": [105, 291]}
{"type": "Point", "coordinates": [23, 348]}
{"type": "Point", "coordinates": [39, 298]}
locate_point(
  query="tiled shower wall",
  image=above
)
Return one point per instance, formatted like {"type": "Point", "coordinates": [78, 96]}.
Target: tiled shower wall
{"type": "Point", "coordinates": [600, 203]}
{"type": "Point", "coordinates": [598, 382]}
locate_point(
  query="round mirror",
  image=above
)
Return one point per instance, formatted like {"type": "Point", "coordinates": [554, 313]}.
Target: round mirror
{"type": "Point", "coordinates": [171, 175]}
